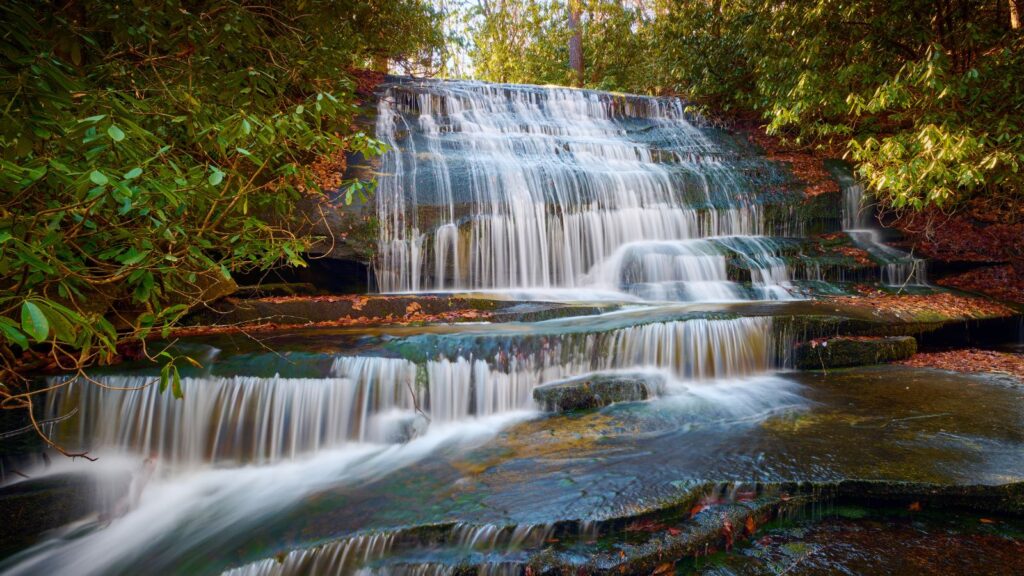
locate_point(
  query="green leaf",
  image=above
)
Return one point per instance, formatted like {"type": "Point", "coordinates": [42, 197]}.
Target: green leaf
{"type": "Point", "coordinates": [165, 376]}
{"type": "Point", "coordinates": [93, 119]}
{"type": "Point", "coordinates": [133, 173]}
{"type": "Point", "coordinates": [215, 178]}
{"type": "Point", "coordinates": [33, 322]}
{"type": "Point", "coordinates": [13, 334]}
{"type": "Point", "coordinates": [63, 330]}
{"type": "Point", "coordinates": [176, 385]}
{"type": "Point", "coordinates": [115, 133]}
{"type": "Point", "coordinates": [98, 178]}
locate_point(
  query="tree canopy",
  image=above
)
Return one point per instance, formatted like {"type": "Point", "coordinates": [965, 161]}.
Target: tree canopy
{"type": "Point", "coordinates": [926, 96]}
{"type": "Point", "coordinates": [148, 150]}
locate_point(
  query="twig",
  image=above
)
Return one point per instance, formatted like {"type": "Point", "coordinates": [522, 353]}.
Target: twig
{"type": "Point", "coordinates": [30, 427]}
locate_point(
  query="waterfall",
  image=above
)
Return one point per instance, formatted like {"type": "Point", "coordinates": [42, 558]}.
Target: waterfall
{"type": "Point", "coordinates": [697, 270]}
{"type": "Point", "coordinates": [240, 418]}
{"type": "Point", "coordinates": [250, 419]}
{"type": "Point", "coordinates": [897, 267]}
{"type": "Point", "coordinates": [342, 557]}
{"type": "Point", "coordinates": [503, 186]}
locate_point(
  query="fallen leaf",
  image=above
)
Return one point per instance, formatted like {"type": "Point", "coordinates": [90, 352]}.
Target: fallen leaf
{"type": "Point", "coordinates": [665, 568]}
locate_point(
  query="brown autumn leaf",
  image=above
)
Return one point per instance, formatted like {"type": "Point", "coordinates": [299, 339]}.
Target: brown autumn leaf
{"type": "Point", "coordinates": [412, 308]}
{"type": "Point", "coordinates": [666, 568]}
{"type": "Point", "coordinates": [971, 360]}
{"type": "Point", "coordinates": [914, 507]}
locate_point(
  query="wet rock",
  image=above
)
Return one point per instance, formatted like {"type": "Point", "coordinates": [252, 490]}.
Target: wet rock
{"type": "Point", "coordinates": [595, 391]}
{"type": "Point", "coordinates": [847, 351]}
{"type": "Point", "coordinates": [38, 505]}
{"type": "Point", "coordinates": [380, 309]}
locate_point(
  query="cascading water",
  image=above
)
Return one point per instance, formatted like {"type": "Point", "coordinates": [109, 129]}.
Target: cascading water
{"type": "Point", "coordinates": [245, 419]}
{"type": "Point", "coordinates": [898, 268]}
{"type": "Point", "coordinates": [483, 187]}
{"type": "Point", "coordinates": [504, 186]}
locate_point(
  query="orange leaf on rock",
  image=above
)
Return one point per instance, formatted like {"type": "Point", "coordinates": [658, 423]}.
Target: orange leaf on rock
{"type": "Point", "coordinates": [665, 568]}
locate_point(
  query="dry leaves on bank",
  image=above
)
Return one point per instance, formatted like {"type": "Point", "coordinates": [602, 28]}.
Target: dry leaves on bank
{"type": "Point", "coordinates": [971, 360]}
{"type": "Point", "coordinates": [951, 306]}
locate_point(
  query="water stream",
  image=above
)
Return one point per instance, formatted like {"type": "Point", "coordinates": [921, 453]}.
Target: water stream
{"type": "Point", "coordinates": [503, 186]}
{"type": "Point", "coordinates": [897, 268]}
{"type": "Point", "coordinates": [422, 450]}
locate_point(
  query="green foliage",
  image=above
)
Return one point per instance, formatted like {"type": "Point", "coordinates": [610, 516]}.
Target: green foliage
{"type": "Point", "coordinates": [149, 150]}
{"type": "Point", "coordinates": [928, 95]}
{"type": "Point", "coordinates": [526, 41]}
{"type": "Point", "coordinates": [520, 41]}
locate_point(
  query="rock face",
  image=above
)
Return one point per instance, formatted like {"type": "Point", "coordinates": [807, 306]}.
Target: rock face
{"type": "Point", "coordinates": [591, 392]}
{"type": "Point", "coordinates": [35, 506]}
{"type": "Point", "coordinates": [848, 351]}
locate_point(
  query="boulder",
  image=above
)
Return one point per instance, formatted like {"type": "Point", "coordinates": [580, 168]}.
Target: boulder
{"type": "Point", "coordinates": [845, 351]}
{"type": "Point", "coordinates": [33, 507]}
{"type": "Point", "coordinates": [595, 391]}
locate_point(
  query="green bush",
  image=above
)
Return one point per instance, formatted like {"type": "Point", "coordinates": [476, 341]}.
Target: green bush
{"type": "Point", "coordinates": [148, 150]}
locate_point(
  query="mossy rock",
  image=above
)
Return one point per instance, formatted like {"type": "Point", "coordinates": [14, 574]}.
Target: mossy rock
{"type": "Point", "coordinates": [844, 351]}
{"type": "Point", "coordinates": [594, 392]}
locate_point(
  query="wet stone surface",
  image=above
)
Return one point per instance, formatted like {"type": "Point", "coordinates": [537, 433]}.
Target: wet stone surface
{"type": "Point", "coordinates": [881, 424]}
{"type": "Point", "coordinates": [596, 391]}
{"type": "Point", "coordinates": [858, 540]}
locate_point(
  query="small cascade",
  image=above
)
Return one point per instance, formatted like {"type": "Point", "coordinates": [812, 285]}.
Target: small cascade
{"type": "Point", "coordinates": [341, 557]}
{"type": "Point", "coordinates": [237, 419]}
{"type": "Point", "coordinates": [504, 186]}
{"type": "Point", "coordinates": [898, 268]}
{"type": "Point", "coordinates": [362, 554]}
{"type": "Point", "coordinates": [698, 270]}
{"type": "Point", "coordinates": [249, 419]}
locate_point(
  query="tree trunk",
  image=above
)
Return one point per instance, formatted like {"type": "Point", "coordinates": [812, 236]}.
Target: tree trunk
{"type": "Point", "coordinates": [575, 42]}
{"type": "Point", "coordinates": [1014, 15]}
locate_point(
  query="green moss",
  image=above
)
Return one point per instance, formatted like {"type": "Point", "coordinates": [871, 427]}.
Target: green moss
{"type": "Point", "coordinates": [842, 352]}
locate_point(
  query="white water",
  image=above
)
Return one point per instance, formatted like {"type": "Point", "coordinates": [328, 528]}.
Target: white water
{"type": "Point", "coordinates": [202, 512]}
{"type": "Point", "coordinates": [500, 186]}
{"type": "Point", "coordinates": [247, 419]}
{"type": "Point", "coordinates": [898, 268]}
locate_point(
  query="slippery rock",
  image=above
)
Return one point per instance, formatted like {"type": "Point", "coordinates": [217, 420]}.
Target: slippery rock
{"type": "Point", "coordinates": [850, 351]}
{"type": "Point", "coordinates": [596, 391]}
